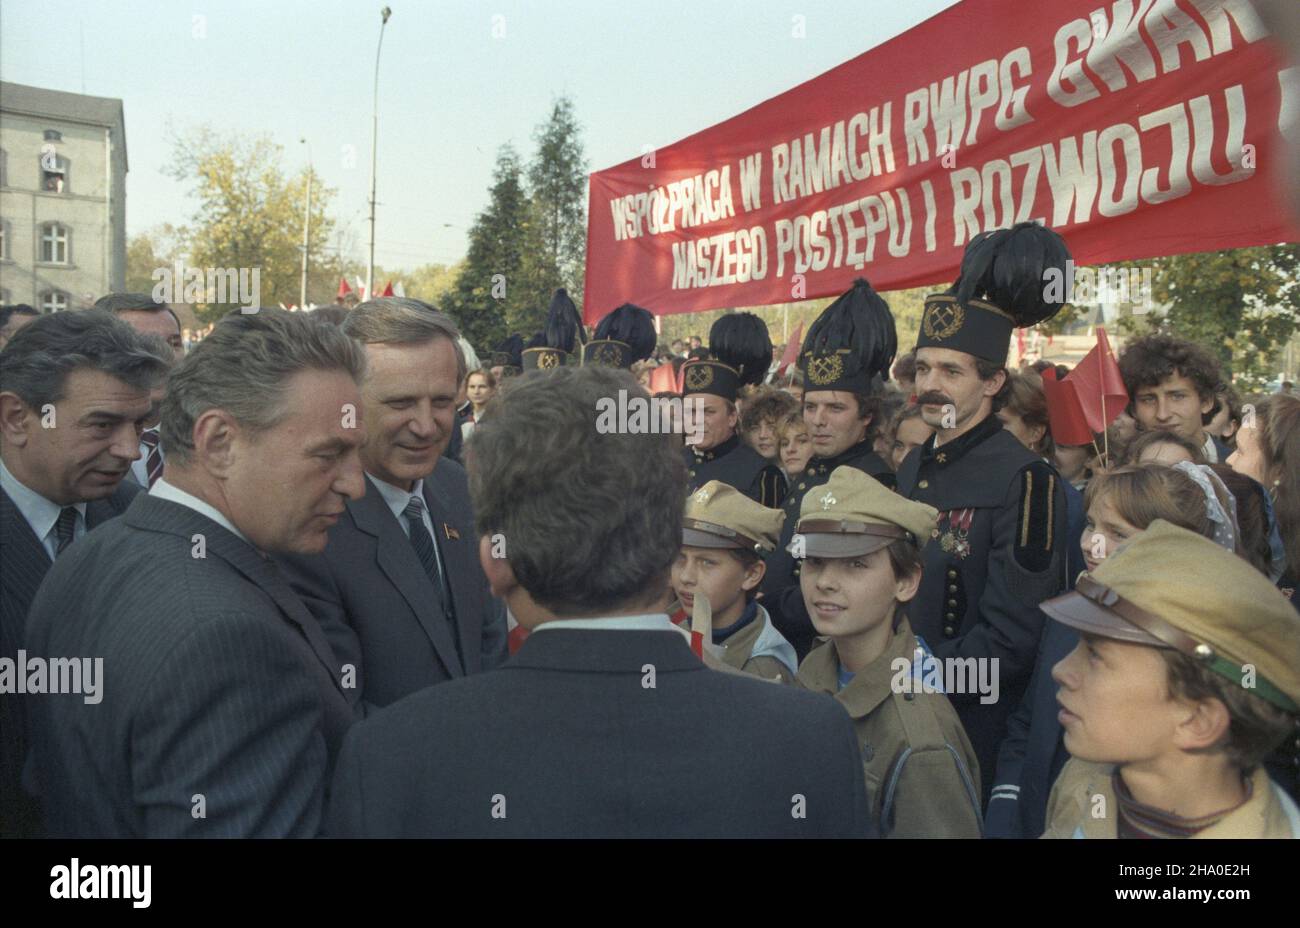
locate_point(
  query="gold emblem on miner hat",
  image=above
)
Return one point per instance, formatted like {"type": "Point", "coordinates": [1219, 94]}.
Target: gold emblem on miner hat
{"type": "Point", "coordinates": [943, 319]}
{"type": "Point", "coordinates": [826, 368]}
{"type": "Point", "coordinates": [698, 376]}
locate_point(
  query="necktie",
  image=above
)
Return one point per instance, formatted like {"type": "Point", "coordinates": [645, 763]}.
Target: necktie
{"type": "Point", "coordinates": [64, 529]}
{"type": "Point", "coordinates": [423, 544]}
{"type": "Point", "coordinates": [153, 464]}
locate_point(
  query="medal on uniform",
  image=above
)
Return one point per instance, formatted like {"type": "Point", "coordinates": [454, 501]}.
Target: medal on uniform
{"type": "Point", "coordinates": [955, 538]}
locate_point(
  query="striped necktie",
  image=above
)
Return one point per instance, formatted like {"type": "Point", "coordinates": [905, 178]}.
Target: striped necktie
{"type": "Point", "coordinates": [153, 464]}
{"type": "Point", "coordinates": [64, 529]}
{"type": "Point", "coordinates": [426, 551]}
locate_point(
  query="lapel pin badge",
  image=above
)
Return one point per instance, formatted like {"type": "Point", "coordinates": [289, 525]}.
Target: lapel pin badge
{"type": "Point", "coordinates": [451, 533]}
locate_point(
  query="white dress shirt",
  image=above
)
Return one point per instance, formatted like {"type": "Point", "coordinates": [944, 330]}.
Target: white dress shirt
{"type": "Point", "coordinates": [164, 490]}
{"type": "Point", "coordinates": [41, 514]}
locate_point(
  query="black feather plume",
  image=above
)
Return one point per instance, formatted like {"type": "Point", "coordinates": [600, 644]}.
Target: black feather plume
{"type": "Point", "coordinates": [512, 346]}
{"type": "Point", "coordinates": [563, 324]}
{"type": "Point", "coordinates": [860, 321]}
{"type": "Point", "coordinates": [634, 327]}
{"type": "Point", "coordinates": [1009, 268]}
{"type": "Point", "coordinates": [741, 341]}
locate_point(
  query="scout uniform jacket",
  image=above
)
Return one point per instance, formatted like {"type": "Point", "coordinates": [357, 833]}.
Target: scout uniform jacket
{"type": "Point", "coordinates": [738, 465]}
{"type": "Point", "coordinates": [999, 550]}
{"type": "Point", "coordinates": [788, 612]}
{"type": "Point", "coordinates": [1083, 805]}
{"type": "Point", "coordinates": [921, 774]}
{"type": "Point", "coordinates": [753, 649]}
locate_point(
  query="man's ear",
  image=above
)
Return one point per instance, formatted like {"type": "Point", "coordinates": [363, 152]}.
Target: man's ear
{"type": "Point", "coordinates": [1206, 723]}
{"type": "Point", "coordinates": [215, 434]}
{"type": "Point", "coordinates": [17, 419]}
{"type": "Point", "coordinates": [1037, 434]}
{"type": "Point", "coordinates": [905, 588]}
{"type": "Point", "coordinates": [754, 574]}
{"type": "Point", "coordinates": [500, 575]}
{"type": "Point", "coordinates": [994, 383]}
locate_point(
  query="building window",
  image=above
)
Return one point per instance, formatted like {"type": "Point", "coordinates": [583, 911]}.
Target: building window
{"type": "Point", "coordinates": [54, 172]}
{"type": "Point", "coordinates": [4, 239]}
{"type": "Point", "coordinates": [53, 135]}
{"type": "Point", "coordinates": [55, 239]}
{"type": "Point", "coordinates": [4, 168]}
{"type": "Point", "coordinates": [54, 301]}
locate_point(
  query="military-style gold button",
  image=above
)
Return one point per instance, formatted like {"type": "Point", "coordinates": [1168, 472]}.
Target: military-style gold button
{"type": "Point", "coordinates": [924, 484]}
{"type": "Point", "coordinates": [802, 485]}
{"type": "Point", "coordinates": [947, 630]}
{"type": "Point", "coordinates": [952, 575]}
{"type": "Point", "coordinates": [948, 615]}
{"type": "Point", "coordinates": [796, 571]}
{"type": "Point", "coordinates": [952, 603]}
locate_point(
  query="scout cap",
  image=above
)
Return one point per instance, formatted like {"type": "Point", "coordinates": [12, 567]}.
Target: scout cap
{"type": "Point", "coordinates": [854, 514]}
{"type": "Point", "coordinates": [720, 516]}
{"type": "Point", "coordinates": [1172, 588]}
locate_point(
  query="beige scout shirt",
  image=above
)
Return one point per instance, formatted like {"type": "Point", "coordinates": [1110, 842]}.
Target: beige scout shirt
{"type": "Point", "coordinates": [1083, 805]}
{"type": "Point", "coordinates": [737, 652]}
{"type": "Point", "coordinates": [935, 793]}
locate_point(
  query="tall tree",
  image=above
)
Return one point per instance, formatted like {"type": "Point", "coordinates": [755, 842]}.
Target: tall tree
{"type": "Point", "coordinates": [556, 226]}
{"type": "Point", "coordinates": [249, 214]}
{"type": "Point", "coordinates": [488, 295]}
{"type": "Point", "coordinates": [1242, 304]}
{"type": "Point", "coordinates": [149, 252]}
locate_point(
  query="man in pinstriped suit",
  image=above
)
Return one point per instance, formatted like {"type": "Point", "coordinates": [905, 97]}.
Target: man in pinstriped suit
{"type": "Point", "coordinates": [222, 704]}
{"type": "Point", "coordinates": [74, 391]}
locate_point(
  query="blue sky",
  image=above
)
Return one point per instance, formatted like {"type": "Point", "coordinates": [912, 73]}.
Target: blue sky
{"type": "Point", "coordinates": [450, 91]}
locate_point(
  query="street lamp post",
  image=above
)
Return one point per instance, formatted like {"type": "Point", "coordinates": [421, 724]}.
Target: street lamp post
{"type": "Point", "coordinates": [374, 151]}
{"type": "Point", "coordinates": [306, 233]}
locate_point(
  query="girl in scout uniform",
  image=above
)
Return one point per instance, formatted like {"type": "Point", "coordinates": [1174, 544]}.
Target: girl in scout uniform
{"type": "Point", "coordinates": [724, 538]}
{"type": "Point", "coordinates": [861, 547]}
{"type": "Point", "coordinates": [1186, 676]}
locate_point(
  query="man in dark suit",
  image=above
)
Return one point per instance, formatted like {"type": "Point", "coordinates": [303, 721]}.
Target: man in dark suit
{"type": "Point", "coordinates": [604, 723]}
{"type": "Point", "coordinates": [74, 393]}
{"type": "Point", "coordinates": [223, 706]}
{"type": "Point", "coordinates": [148, 317]}
{"type": "Point", "coordinates": [400, 577]}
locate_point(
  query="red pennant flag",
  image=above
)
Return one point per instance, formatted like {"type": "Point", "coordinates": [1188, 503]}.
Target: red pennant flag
{"type": "Point", "coordinates": [1099, 385]}
{"type": "Point", "coordinates": [791, 350]}
{"type": "Point", "coordinates": [388, 290]}
{"type": "Point", "coordinates": [662, 380]}
{"type": "Point", "coordinates": [1065, 415]}
{"type": "Point", "coordinates": [344, 289]}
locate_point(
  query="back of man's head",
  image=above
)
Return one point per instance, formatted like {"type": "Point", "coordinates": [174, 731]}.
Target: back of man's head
{"type": "Point", "coordinates": [36, 362]}
{"type": "Point", "coordinates": [244, 365]}
{"type": "Point", "coordinates": [591, 520]}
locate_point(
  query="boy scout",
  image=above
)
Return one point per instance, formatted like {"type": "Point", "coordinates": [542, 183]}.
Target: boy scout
{"type": "Point", "coordinates": [724, 537]}
{"type": "Point", "coordinates": [862, 548]}
{"type": "Point", "coordinates": [1186, 677]}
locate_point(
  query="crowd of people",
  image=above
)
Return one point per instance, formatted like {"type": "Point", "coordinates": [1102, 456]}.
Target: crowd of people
{"type": "Point", "coordinates": [334, 573]}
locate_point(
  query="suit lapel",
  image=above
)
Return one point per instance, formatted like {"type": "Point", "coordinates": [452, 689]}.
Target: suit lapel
{"type": "Point", "coordinates": [398, 562]}
{"type": "Point", "coordinates": [458, 551]}
{"type": "Point", "coordinates": [25, 560]}
{"type": "Point", "coordinates": [149, 512]}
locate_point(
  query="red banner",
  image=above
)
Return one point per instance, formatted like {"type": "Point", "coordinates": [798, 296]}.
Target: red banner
{"type": "Point", "coordinates": [1136, 128]}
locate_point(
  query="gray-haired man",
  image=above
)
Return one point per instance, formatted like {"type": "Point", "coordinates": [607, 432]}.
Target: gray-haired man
{"type": "Point", "coordinates": [401, 569]}
{"type": "Point", "coordinates": [223, 704]}
{"type": "Point", "coordinates": [74, 393]}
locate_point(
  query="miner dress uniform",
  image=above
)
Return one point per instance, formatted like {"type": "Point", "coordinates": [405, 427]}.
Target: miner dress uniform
{"type": "Point", "coordinates": [740, 351]}
{"type": "Point", "coordinates": [1000, 546]}
{"type": "Point", "coordinates": [847, 349]}
{"type": "Point", "coordinates": [998, 551]}
{"type": "Point", "coordinates": [921, 774]}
